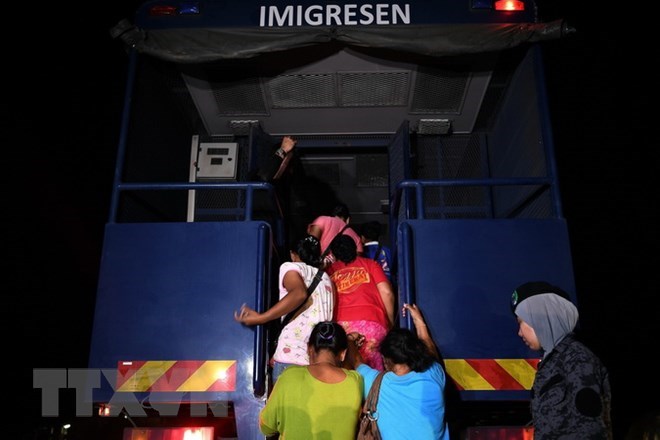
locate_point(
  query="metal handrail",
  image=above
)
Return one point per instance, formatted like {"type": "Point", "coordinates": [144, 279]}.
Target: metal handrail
{"type": "Point", "coordinates": [249, 188]}
{"type": "Point", "coordinates": [260, 346]}
{"type": "Point", "coordinates": [419, 185]}
{"type": "Point", "coordinates": [259, 364]}
{"type": "Point", "coordinates": [405, 263]}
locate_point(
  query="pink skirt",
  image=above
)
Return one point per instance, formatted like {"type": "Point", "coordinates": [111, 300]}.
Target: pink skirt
{"type": "Point", "coordinates": [373, 333]}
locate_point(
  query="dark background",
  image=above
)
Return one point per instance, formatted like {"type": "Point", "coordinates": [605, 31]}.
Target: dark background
{"type": "Point", "coordinates": [64, 83]}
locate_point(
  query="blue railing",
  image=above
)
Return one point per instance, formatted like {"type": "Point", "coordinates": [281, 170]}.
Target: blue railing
{"type": "Point", "coordinates": [419, 186]}
{"type": "Point", "coordinates": [248, 187]}
{"type": "Point", "coordinates": [409, 196]}
{"type": "Point", "coordinates": [262, 254]}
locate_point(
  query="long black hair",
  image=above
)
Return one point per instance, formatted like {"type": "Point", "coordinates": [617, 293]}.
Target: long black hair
{"type": "Point", "coordinates": [402, 346]}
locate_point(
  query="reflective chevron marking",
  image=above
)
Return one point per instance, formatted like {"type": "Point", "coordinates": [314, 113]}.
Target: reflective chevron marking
{"type": "Point", "coordinates": [182, 376]}
{"type": "Point", "coordinates": [492, 374]}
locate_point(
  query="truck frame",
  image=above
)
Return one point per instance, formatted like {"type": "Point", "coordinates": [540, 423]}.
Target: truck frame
{"type": "Point", "coordinates": [430, 118]}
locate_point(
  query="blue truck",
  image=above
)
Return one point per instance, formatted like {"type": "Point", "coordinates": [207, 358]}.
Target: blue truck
{"type": "Point", "coordinates": [429, 117]}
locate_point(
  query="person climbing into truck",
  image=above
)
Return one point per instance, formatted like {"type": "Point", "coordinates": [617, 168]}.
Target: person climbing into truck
{"type": "Point", "coordinates": [294, 277]}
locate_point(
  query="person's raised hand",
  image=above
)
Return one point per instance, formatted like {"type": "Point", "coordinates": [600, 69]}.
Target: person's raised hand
{"type": "Point", "coordinates": [288, 143]}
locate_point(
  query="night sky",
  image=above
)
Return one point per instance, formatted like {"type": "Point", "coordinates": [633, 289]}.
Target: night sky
{"type": "Point", "coordinates": [62, 108]}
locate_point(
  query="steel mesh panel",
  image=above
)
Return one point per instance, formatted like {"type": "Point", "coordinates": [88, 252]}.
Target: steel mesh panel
{"type": "Point", "coordinates": [303, 91]}
{"type": "Point", "coordinates": [456, 202]}
{"type": "Point", "coordinates": [461, 157]}
{"type": "Point", "coordinates": [372, 170]}
{"type": "Point", "coordinates": [152, 206]}
{"type": "Point", "coordinates": [428, 157]}
{"type": "Point", "coordinates": [243, 97]}
{"type": "Point", "coordinates": [458, 157]}
{"type": "Point", "coordinates": [448, 158]}
{"type": "Point", "coordinates": [379, 89]}
{"type": "Point", "coordinates": [526, 201]}
{"type": "Point", "coordinates": [461, 214]}
{"type": "Point", "coordinates": [438, 91]}
{"type": "Point", "coordinates": [243, 158]}
{"type": "Point", "coordinates": [399, 166]}
{"type": "Point", "coordinates": [539, 207]}
{"type": "Point", "coordinates": [219, 204]}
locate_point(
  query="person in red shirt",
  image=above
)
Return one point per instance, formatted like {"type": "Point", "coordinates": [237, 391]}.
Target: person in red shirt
{"type": "Point", "coordinates": [365, 299]}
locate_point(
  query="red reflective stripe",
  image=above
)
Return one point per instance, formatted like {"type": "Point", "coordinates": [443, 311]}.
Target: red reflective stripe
{"type": "Point", "coordinates": [494, 374]}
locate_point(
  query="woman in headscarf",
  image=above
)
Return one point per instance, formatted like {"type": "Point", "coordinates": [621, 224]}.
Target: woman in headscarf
{"type": "Point", "coordinates": [571, 392]}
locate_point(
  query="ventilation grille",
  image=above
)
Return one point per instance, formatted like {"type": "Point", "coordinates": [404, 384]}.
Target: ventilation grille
{"type": "Point", "coordinates": [345, 89]}
{"type": "Point", "coordinates": [239, 98]}
{"type": "Point", "coordinates": [341, 92]}
{"type": "Point", "coordinates": [439, 91]}
{"type": "Point", "coordinates": [303, 91]}
{"type": "Point", "coordinates": [374, 89]}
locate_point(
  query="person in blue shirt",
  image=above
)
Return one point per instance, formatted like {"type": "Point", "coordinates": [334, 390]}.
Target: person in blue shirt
{"type": "Point", "coordinates": [372, 248]}
{"type": "Point", "coordinates": [411, 403]}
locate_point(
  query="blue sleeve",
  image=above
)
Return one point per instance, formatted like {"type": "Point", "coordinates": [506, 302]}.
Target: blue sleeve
{"type": "Point", "coordinates": [385, 261]}
{"type": "Point", "coordinates": [368, 375]}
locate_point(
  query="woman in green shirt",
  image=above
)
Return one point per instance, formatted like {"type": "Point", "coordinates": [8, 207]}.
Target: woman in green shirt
{"type": "Point", "coordinates": [320, 400]}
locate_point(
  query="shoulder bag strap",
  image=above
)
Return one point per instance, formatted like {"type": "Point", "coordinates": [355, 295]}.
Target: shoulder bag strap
{"type": "Point", "coordinates": [312, 286]}
{"type": "Point", "coordinates": [372, 398]}
{"type": "Point", "coordinates": [315, 282]}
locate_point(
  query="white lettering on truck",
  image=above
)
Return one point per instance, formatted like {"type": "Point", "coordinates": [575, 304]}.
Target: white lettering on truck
{"type": "Point", "coordinates": [334, 15]}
